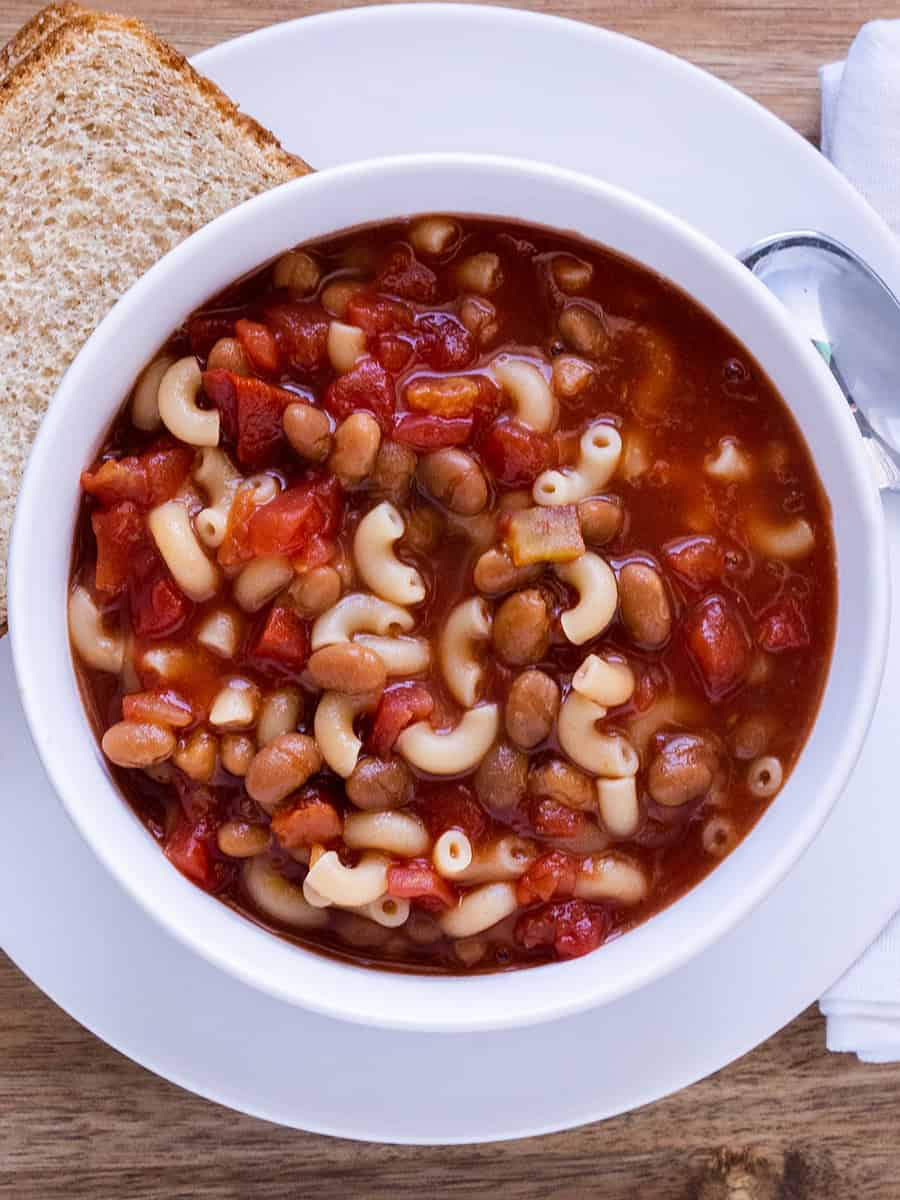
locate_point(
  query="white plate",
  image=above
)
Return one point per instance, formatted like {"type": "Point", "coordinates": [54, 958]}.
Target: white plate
{"type": "Point", "coordinates": [385, 80]}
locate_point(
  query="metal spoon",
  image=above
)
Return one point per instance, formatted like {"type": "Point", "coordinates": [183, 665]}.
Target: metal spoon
{"type": "Point", "coordinates": [853, 319]}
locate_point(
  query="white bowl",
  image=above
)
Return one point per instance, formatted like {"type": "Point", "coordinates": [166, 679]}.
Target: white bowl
{"type": "Point", "coordinates": [100, 378]}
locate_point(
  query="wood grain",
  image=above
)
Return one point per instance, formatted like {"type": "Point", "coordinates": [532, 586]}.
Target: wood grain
{"type": "Point", "coordinates": [79, 1120]}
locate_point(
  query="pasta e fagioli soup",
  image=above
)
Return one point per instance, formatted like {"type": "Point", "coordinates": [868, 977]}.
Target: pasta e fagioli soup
{"type": "Point", "coordinates": [452, 595]}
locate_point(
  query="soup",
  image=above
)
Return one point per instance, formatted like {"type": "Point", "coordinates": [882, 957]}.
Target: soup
{"type": "Point", "coordinates": [452, 595]}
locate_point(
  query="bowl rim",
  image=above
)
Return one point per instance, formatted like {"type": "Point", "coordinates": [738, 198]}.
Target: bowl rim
{"type": "Point", "coordinates": [350, 1003]}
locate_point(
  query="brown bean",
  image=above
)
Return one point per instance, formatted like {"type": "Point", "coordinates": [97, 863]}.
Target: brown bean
{"type": "Point", "coordinates": [138, 743]}
{"type": "Point", "coordinates": [682, 770]}
{"type": "Point", "coordinates": [565, 784]}
{"type": "Point", "coordinates": [571, 375]}
{"type": "Point", "coordinates": [571, 274]}
{"type": "Point", "coordinates": [236, 751]}
{"type": "Point", "coordinates": [601, 519]}
{"type": "Point", "coordinates": [644, 603]}
{"type": "Point", "coordinates": [480, 273]}
{"type": "Point", "coordinates": [356, 443]}
{"type": "Point", "coordinates": [480, 318]}
{"type": "Point", "coordinates": [584, 330]}
{"type": "Point", "coordinates": [380, 783]}
{"type": "Point", "coordinates": [298, 271]}
{"type": "Point", "coordinates": [197, 755]}
{"type": "Point", "coordinates": [228, 355]}
{"type": "Point", "coordinates": [347, 667]}
{"type": "Point", "coordinates": [316, 590]}
{"type": "Point", "coordinates": [750, 737]}
{"type": "Point", "coordinates": [241, 839]}
{"type": "Point", "coordinates": [424, 527]}
{"type": "Point", "coordinates": [455, 479]}
{"type": "Point", "coordinates": [521, 629]}
{"type": "Point", "coordinates": [280, 768]}
{"type": "Point", "coordinates": [395, 466]}
{"type": "Point", "coordinates": [338, 294]}
{"type": "Point", "coordinates": [501, 777]}
{"type": "Point", "coordinates": [496, 573]}
{"type": "Point", "coordinates": [531, 708]}
{"type": "Point", "coordinates": [308, 429]}
{"type": "Point", "coordinates": [434, 235]}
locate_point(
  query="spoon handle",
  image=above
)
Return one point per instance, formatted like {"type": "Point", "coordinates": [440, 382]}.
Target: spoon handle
{"type": "Point", "coordinates": [883, 458]}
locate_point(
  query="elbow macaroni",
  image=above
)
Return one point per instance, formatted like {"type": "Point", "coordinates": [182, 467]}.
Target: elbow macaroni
{"type": "Point", "coordinates": [599, 451]}
{"type": "Point", "coordinates": [533, 401]}
{"type": "Point", "coordinates": [261, 580]}
{"type": "Point", "coordinates": [468, 624]}
{"type": "Point", "coordinates": [98, 648]}
{"type": "Point", "coordinates": [793, 539]}
{"type": "Point", "coordinates": [400, 833]}
{"type": "Point", "coordinates": [607, 754]}
{"type": "Point", "coordinates": [178, 408]}
{"type": "Point", "coordinates": [145, 399]}
{"type": "Point", "coordinates": [598, 596]}
{"type": "Point", "coordinates": [379, 567]}
{"type": "Point", "coordinates": [349, 887]}
{"type": "Point", "coordinates": [359, 613]}
{"type": "Point", "coordinates": [479, 909]}
{"type": "Point", "coordinates": [605, 682]}
{"type": "Point", "coordinates": [277, 897]}
{"type": "Point", "coordinates": [220, 479]}
{"type": "Point", "coordinates": [404, 656]}
{"type": "Point", "coordinates": [455, 752]}
{"type": "Point", "coordinates": [171, 529]}
{"type": "Point", "coordinates": [333, 729]}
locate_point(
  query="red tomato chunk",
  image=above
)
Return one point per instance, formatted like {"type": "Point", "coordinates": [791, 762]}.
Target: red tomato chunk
{"type": "Point", "coordinates": [146, 480]}
{"type": "Point", "coordinates": [515, 454]}
{"type": "Point", "coordinates": [301, 334]}
{"type": "Point", "coordinates": [417, 880]}
{"type": "Point", "coordinates": [378, 314]}
{"type": "Point", "coordinates": [165, 707]}
{"type": "Point", "coordinates": [367, 387]}
{"type": "Point", "coordinates": [118, 531]}
{"type": "Point", "coordinates": [188, 848]}
{"type": "Point", "coordinates": [403, 275]}
{"type": "Point", "coordinates": [298, 515]}
{"type": "Point", "coordinates": [251, 412]}
{"type": "Point", "coordinates": [282, 645]}
{"type": "Point", "coordinates": [453, 806]}
{"type": "Point", "coordinates": [158, 605]}
{"type": "Point", "coordinates": [307, 821]}
{"type": "Point", "coordinates": [551, 876]}
{"type": "Point", "coordinates": [698, 562]}
{"type": "Point", "coordinates": [260, 346]}
{"type": "Point", "coordinates": [399, 706]}
{"type": "Point", "coordinates": [782, 626]}
{"type": "Point", "coordinates": [422, 432]}
{"type": "Point", "coordinates": [717, 644]}
{"type": "Point", "coordinates": [444, 343]}
{"type": "Point", "coordinates": [571, 927]}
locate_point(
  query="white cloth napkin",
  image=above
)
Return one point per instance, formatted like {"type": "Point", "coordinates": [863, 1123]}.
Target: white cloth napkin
{"type": "Point", "coordinates": [861, 136]}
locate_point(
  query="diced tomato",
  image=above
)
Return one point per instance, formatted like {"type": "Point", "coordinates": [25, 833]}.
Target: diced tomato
{"type": "Point", "coordinates": [282, 645]}
{"type": "Point", "coordinates": [235, 546]}
{"type": "Point", "coordinates": [551, 876]}
{"type": "Point", "coordinates": [399, 706]}
{"type": "Point", "coordinates": [147, 479]}
{"type": "Point", "coordinates": [453, 395]}
{"type": "Point", "coordinates": [301, 333]}
{"type": "Point", "coordinates": [289, 523]}
{"type": "Point", "coordinates": [119, 531]}
{"type": "Point", "coordinates": [452, 806]}
{"type": "Point", "coordinates": [251, 412]}
{"type": "Point", "coordinates": [205, 329]}
{"type": "Point", "coordinates": [549, 818]}
{"type": "Point", "coordinates": [571, 927]}
{"type": "Point", "coordinates": [188, 848]}
{"type": "Point", "coordinates": [164, 707]}
{"type": "Point", "coordinates": [367, 387]}
{"type": "Point", "coordinates": [158, 605]}
{"type": "Point", "coordinates": [423, 432]}
{"type": "Point", "coordinates": [717, 644]}
{"type": "Point", "coordinates": [444, 343]}
{"type": "Point", "coordinates": [403, 275]}
{"type": "Point", "coordinates": [393, 352]}
{"type": "Point", "coordinates": [418, 880]}
{"type": "Point", "coordinates": [306, 821]}
{"type": "Point", "coordinates": [378, 314]}
{"type": "Point", "coordinates": [699, 562]}
{"type": "Point", "coordinates": [318, 551]}
{"type": "Point", "coordinates": [782, 626]}
{"type": "Point", "coordinates": [260, 345]}
{"type": "Point", "coordinates": [515, 454]}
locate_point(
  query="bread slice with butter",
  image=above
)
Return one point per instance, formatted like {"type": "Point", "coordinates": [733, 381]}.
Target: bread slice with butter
{"type": "Point", "coordinates": [112, 151]}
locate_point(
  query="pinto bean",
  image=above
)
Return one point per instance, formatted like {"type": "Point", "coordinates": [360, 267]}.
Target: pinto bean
{"type": "Point", "coordinates": [584, 330]}
{"type": "Point", "coordinates": [645, 606]}
{"type": "Point", "coordinates": [682, 770]}
{"type": "Point", "coordinates": [455, 479]}
{"type": "Point", "coordinates": [314, 591]}
{"type": "Point", "coordinates": [138, 743]}
{"type": "Point", "coordinates": [241, 839]}
{"type": "Point", "coordinates": [308, 430]}
{"type": "Point", "coordinates": [496, 573]}
{"type": "Point", "coordinates": [560, 781]}
{"type": "Point", "coordinates": [424, 526]}
{"type": "Point", "coordinates": [531, 708]}
{"type": "Point", "coordinates": [356, 443]}
{"type": "Point", "coordinates": [346, 667]}
{"type": "Point", "coordinates": [601, 519]}
{"type": "Point", "coordinates": [280, 768]}
{"type": "Point", "coordinates": [395, 466]}
{"type": "Point", "coordinates": [380, 783]}
{"type": "Point", "coordinates": [501, 777]}
{"type": "Point", "coordinates": [228, 355]}
{"type": "Point", "coordinates": [521, 629]}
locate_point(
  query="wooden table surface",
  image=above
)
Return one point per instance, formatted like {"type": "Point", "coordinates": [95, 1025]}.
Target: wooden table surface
{"type": "Point", "coordinates": [78, 1119]}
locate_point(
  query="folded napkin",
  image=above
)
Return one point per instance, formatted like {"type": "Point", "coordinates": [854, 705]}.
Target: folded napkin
{"type": "Point", "coordinates": [861, 136]}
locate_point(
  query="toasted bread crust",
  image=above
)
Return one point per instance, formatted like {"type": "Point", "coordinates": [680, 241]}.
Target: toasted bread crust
{"type": "Point", "coordinates": [69, 29]}
{"type": "Point", "coordinates": [29, 36]}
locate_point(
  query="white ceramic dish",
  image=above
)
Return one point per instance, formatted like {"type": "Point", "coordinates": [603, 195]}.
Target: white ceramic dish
{"type": "Point", "coordinates": [100, 378]}
{"type": "Point", "coordinates": [69, 926]}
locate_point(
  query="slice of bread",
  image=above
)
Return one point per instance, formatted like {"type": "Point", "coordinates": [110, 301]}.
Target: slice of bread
{"type": "Point", "coordinates": [112, 150]}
